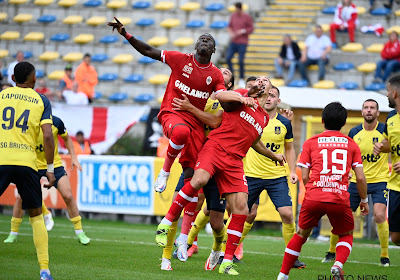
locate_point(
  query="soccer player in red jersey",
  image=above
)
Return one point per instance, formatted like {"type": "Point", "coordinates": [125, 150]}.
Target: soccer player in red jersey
{"type": "Point", "coordinates": [329, 156]}
{"type": "Point", "coordinates": [193, 75]}
{"type": "Point", "coordinates": [221, 158]}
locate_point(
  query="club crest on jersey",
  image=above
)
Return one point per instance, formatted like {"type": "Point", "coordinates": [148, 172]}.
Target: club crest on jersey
{"type": "Point", "coordinates": [208, 80]}
{"type": "Point", "coordinates": [374, 140]}
{"type": "Point", "coordinates": [215, 105]}
{"type": "Point", "coordinates": [277, 130]}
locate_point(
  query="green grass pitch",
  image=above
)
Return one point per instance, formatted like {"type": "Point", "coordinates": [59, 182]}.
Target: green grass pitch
{"type": "Point", "coordinates": [127, 251]}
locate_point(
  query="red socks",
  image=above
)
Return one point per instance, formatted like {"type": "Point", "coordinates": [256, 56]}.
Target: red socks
{"type": "Point", "coordinates": [184, 196]}
{"type": "Point", "coordinates": [292, 252]}
{"type": "Point", "coordinates": [180, 136]}
{"type": "Point", "coordinates": [343, 248]}
{"type": "Point", "coordinates": [234, 232]}
{"type": "Point", "coordinates": [189, 215]}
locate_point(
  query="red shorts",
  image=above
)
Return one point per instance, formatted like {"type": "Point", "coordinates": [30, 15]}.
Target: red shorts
{"type": "Point", "coordinates": [196, 140]}
{"type": "Point", "coordinates": [340, 215]}
{"type": "Point", "coordinates": [226, 169]}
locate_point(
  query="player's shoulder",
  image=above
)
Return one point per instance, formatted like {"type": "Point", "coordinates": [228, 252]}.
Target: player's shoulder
{"type": "Point", "coordinates": [392, 114]}
{"type": "Point", "coordinates": [380, 127]}
{"type": "Point", "coordinates": [57, 121]}
{"type": "Point", "coordinates": [283, 120]}
{"type": "Point", "coordinates": [355, 130]}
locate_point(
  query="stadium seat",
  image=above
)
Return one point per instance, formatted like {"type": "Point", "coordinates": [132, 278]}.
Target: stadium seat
{"type": "Point", "coordinates": [352, 47]}
{"type": "Point", "coordinates": [144, 118]}
{"type": "Point", "coordinates": [195, 24]}
{"type": "Point", "coordinates": [313, 67]}
{"type": "Point", "coordinates": [160, 99]}
{"type": "Point", "coordinates": [144, 22]}
{"type": "Point", "coordinates": [184, 42]}
{"type": "Point", "coordinates": [361, 10]}
{"type": "Point", "coordinates": [73, 56]}
{"type": "Point", "coordinates": [96, 20]}
{"type": "Point", "coordinates": [122, 58]}
{"type": "Point", "coordinates": [382, 11]}
{"type": "Point", "coordinates": [170, 23]}
{"type": "Point", "coordinates": [116, 4]}
{"type": "Point", "coordinates": [143, 98]}
{"type": "Point", "coordinates": [329, 10]}
{"type": "Point", "coordinates": [3, 16]}
{"type": "Point", "coordinates": [84, 38]}
{"type": "Point", "coordinates": [67, 3]}
{"type": "Point", "coordinates": [375, 48]}
{"type": "Point", "coordinates": [393, 28]}
{"type": "Point", "coordinates": [92, 3]}
{"type": "Point", "coordinates": [60, 37]}
{"type": "Point", "coordinates": [39, 74]}
{"type": "Point", "coordinates": [47, 19]}
{"type": "Point", "coordinates": [397, 13]}
{"type": "Point", "coordinates": [159, 79]}
{"type": "Point", "coordinates": [190, 6]}
{"type": "Point", "coordinates": [348, 85]}
{"type": "Point", "coordinates": [17, 2]}
{"type": "Point", "coordinates": [298, 83]}
{"type": "Point", "coordinates": [141, 5]}
{"type": "Point", "coordinates": [343, 66]}
{"type": "Point", "coordinates": [367, 67]}
{"type": "Point", "coordinates": [134, 78]}
{"type": "Point", "coordinates": [109, 39]}
{"type": "Point", "coordinates": [21, 18]}
{"type": "Point", "coordinates": [277, 82]}
{"type": "Point", "coordinates": [215, 7]}
{"type": "Point", "coordinates": [56, 75]}
{"type": "Point", "coordinates": [325, 84]}
{"type": "Point", "coordinates": [73, 19]}
{"type": "Point", "coordinates": [27, 54]}
{"type": "Point", "coordinates": [43, 2]}
{"type": "Point", "coordinates": [325, 27]}
{"type": "Point", "coordinates": [108, 77]}
{"type": "Point", "coordinates": [164, 6]}
{"type": "Point", "coordinates": [4, 72]}
{"type": "Point", "coordinates": [34, 36]}
{"type": "Point", "coordinates": [375, 86]}
{"type": "Point", "coordinates": [158, 41]}
{"type": "Point", "coordinates": [219, 25]}
{"type": "Point", "coordinates": [48, 56]}
{"type": "Point", "coordinates": [3, 53]}
{"type": "Point", "coordinates": [232, 8]}
{"type": "Point", "coordinates": [125, 20]}
{"type": "Point", "coordinates": [98, 95]}
{"type": "Point", "coordinates": [118, 97]}
{"type": "Point", "coordinates": [99, 57]}
{"type": "Point", "coordinates": [146, 60]}
{"type": "Point", "coordinates": [10, 35]}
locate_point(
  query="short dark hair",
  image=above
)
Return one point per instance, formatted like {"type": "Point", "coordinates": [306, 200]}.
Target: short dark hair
{"type": "Point", "coordinates": [274, 87]}
{"type": "Point", "coordinates": [251, 78]}
{"type": "Point", "coordinates": [371, 100]}
{"type": "Point", "coordinates": [318, 26]}
{"type": "Point", "coordinates": [238, 5]}
{"type": "Point", "coordinates": [79, 133]}
{"type": "Point", "coordinates": [87, 55]}
{"type": "Point", "coordinates": [334, 116]}
{"type": "Point", "coordinates": [22, 71]}
{"type": "Point", "coordinates": [395, 81]}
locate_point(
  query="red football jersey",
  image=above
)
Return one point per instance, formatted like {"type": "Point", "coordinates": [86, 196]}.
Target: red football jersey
{"type": "Point", "coordinates": [239, 129]}
{"type": "Point", "coordinates": [196, 81]}
{"type": "Point", "coordinates": [330, 155]}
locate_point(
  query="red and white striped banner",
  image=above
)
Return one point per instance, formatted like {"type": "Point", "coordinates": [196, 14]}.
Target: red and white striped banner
{"type": "Point", "coordinates": [102, 126]}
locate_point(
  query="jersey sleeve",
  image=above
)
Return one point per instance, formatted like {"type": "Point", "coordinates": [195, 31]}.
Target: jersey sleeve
{"type": "Point", "coordinates": [46, 116]}
{"type": "Point", "coordinates": [357, 160]}
{"type": "Point", "coordinates": [289, 131]}
{"type": "Point", "coordinates": [305, 157]}
{"type": "Point", "coordinates": [169, 57]}
{"type": "Point", "coordinates": [59, 124]}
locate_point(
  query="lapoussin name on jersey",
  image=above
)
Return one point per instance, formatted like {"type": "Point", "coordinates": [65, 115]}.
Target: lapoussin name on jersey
{"type": "Point", "coordinates": [252, 121]}
{"type": "Point", "coordinates": [13, 145]}
{"type": "Point", "coordinates": [20, 97]}
{"type": "Point", "coordinates": [191, 92]}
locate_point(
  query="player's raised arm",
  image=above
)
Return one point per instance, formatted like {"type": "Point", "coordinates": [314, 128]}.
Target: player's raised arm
{"type": "Point", "coordinates": [139, 45]}
{"type": "Point", "coordinates": [260, 148]}
{"type": "Point", "coordinates": [362, 189]}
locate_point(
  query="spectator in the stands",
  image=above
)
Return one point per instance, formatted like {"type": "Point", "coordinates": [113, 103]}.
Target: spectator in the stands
{"type": "Point", "coordinates": [81, 146]}
{"type": "Point", "coordinates": [390, 59]}
{"type": "Point", "coordinates": [66, 81]}
{"type": "Point", "coordinates": [346, 17]}
{"type": "Point", "coordinates": [74, 97]}
{"type": "Point", "coordinates": [387, 5]}
{"type": "Point", "coordinates": [288, 57]}
{"type": "Point", "coordinates": [316, 51]}
{"type": "Point", "coordinates": [43, 89]}
{"type": "Point", "coordinates": [5, 85]}
{"type": "Point", "coordinates": [86, 76]}
{"type": "Point", "coordinates": [20, 57]}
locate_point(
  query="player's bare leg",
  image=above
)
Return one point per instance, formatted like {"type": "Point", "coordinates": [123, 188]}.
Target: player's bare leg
{"type": "Point", "coordinates": [64, 187]}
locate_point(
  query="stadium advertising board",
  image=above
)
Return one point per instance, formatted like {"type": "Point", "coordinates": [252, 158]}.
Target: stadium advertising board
{"type": "Point", "coordinates": [116, 184]}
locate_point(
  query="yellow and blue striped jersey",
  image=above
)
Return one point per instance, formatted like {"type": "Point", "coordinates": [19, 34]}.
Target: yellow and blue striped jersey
{"type": "Point", "coordinates": [22, 112]}
{"type": "Point", "coordinates": [212, 106]}
{"type": "Point", "coordinates": [57, 128]}
{"type": "Point", "coordinates": [376, 168]}
{"type": "Point", "coordinates": [275, 135]}
{"type": "Point", "coordinates": [392, 133]}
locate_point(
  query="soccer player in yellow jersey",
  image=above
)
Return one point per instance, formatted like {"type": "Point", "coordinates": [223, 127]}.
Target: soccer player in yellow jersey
{"type": "Point", "coordinates": [62, 183]}
{"type": "Point", "coordinates": [391, 144]}
{"type": "Point", "coordinates": [263, 174]}
{"type": "Point", "coordinates": [376, 171]}
{"type": "Point", "coordinates": [24, 113]}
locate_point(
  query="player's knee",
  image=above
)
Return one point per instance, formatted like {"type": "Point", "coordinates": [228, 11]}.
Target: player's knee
{"type": "Point", "coordinates": [379, 217]}
{"type": "Point", "coordinates": [180, 134]}
{"type": "Point", "coordinates": [198, 182]}
{"type": "Point", "coordinates": [68, 198]}
{"type": "Point", "coordinates": [216, 224]}
{"type": "Point", "coordinates": [395, 236]}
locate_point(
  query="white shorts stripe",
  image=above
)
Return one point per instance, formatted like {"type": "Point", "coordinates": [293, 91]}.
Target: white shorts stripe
{"type": "Point", "coordinates": [290, 251]}
{"type": "Point", "coordinates": [302, 165]}
{"type": "Point", "coordinates": [182, 194]}
{"type": "Point", "coordinates": [176, 147]}
{"type": "Point", "coordinates": [234, 232]}
{"type": "Point", "coordinates": [342, 243]}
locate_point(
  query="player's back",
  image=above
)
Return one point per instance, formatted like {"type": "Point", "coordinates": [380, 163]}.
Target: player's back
{"type": "Point", "coordinates": [330, 156]}
{"type": "Point", "coordinates": [21, 110]}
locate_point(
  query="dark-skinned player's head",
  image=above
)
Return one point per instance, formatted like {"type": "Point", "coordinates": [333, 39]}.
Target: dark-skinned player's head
{"type": "Point", "coordinates": [24, 72]}
{"type": "Point", "coordinates": [334, 116]}
{"type": "Point", "coordinates": [205, 44]}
